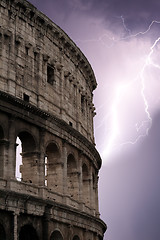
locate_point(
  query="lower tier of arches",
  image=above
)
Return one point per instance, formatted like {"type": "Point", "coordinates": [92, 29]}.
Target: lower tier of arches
{"type": "Point", "coordinates": [24, 218]}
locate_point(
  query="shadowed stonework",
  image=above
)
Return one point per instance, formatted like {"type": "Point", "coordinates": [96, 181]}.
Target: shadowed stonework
{"type": "Point", "coordinates": [46, 111]}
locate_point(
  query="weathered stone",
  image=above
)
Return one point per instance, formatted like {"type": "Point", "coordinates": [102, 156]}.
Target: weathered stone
{"type": "Point", "coordinates": [46, 90]}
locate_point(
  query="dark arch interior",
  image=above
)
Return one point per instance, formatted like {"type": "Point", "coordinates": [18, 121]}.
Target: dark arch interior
{"type": "Point", "coordinates": [71, 163]}
{"type": "Point", "coordinates": [28, 142]}
{"type": "Point", "coordinates": [76, 238]}
{"type": "Point", "coordinates": [85, 171]}
{"type": "Point", "coordinates": [52, 149]}
{"type": "Point", "coordinates": [1, 133]}
{"type": "Point", "coordinates": [56, 235]}
{"type": "Point", "coordinates": [2, 233]}
{"type": "Point", "coordinates": [52, 156]}
{"type": "Point", "coordinates": [27, 232]}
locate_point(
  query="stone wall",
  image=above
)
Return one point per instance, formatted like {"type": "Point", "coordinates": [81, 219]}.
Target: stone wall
{"type": "Point", "coordinates": [40, 64]}
{"type": "Point", "coordinates": [50, 190]}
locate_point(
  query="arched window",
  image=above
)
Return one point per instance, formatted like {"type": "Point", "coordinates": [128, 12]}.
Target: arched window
{"type": "Point", "coordinates": [18, 159]}
{"type": "Point", "coordinates": [27, 232]}
{"type": "Point", "coordinates": [26, 158]}
{"type": "Point", "coordinates": [56, 235]}
{"type": "Point", "coordinates": [2, 232]}
{"type": "Point", "coordinates": [1, 133]}
{"type": "Point", "coordinates": [52, 167]}
{"type": "Point", "coordinates": [85, 188]}
{"type": "Point", "coordinates": [76, 238]}
{"type": "Point", "coordinates": [72, 177]}
{"type": "Point", "coordinates": [71, 164]}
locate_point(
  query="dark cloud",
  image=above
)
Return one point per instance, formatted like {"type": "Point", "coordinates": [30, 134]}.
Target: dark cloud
{"type": "Point", "coordinates": [137, 14]}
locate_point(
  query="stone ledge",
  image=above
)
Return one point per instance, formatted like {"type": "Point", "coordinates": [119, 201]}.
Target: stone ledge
{"type": "Point", "coordinates": [27, 203]}
{"type": "Point", "coordinates": [58, 122]}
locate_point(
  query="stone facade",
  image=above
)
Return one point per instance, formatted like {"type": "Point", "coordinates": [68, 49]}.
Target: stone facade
{"type": "Point", "coordinates": [46, 93]}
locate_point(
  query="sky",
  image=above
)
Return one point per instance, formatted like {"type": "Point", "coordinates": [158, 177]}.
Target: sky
{"type": "Point", "coordinates": [120, 38]}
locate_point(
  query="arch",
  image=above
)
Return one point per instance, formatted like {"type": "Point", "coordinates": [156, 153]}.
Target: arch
{"type": "Point", "coordinates": [1, 133]}
{"type": "Point", "coordinates": [52, 153]}
{"type": "Point", "coordinates": [85, 171]}
{"type": "Point", "coordinates": [71, 163]}
{"type": "Point", "coordinates": [76, 238]}
{"type": "Point", "coordinates": [27, 158]}
{"type": "Point", "coordinates": [86, 184]}
{"type": "Point", "coordinates": [28, 141]}
{"type": "Point", "coordinates": [2, 232]}
{"type": "Point", "coordinates": [27, 232]}
{"type": "Point", "coordinates": [18, 159]}
{"type": "Point", "coordinates": [53, 174]}
{"type": "Point", "coordinates": [72, 177]}
{"type": "Point", "coordinates": [56, 235]}
{"type": "Point", "coordinates": [93, 198]}
{"type": "Point", "coordinates": [93, 181]}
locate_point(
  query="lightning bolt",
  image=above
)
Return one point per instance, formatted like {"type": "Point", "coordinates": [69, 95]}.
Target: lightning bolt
{"type": "Point", "coordinates": [124, 25]}
{"type": "Point", "coordinates": [115, 129]}
{"type": "Point", "coordinates": [121, 89]}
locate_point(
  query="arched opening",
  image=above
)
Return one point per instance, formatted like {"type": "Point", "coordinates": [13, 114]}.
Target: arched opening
{"type": "Point", "coordinates": [2, 232]}
{"type": "Point", "coordinates": [27, 232]}
{"type": "Point", "coordinates": [71, 163]}
{"type": "Point", "coordinates": [72, 177]}
{"type": "Point", "coordinates": [76, 238]}
{"type": "Point", "coordinates": [26, 158]}
{"type": "Point", "coordinates": [93, 190]}
{"type": "Point", "coordinates": [100, 238]}
{"type": "Point", "coordinates": [56, 235]}
{"type": "Point", "coordinates": [28, 142]}
{"type": "Point", "coordinates": [53, 168]}
{"type": "Point", "coordinates": [1, 133]}
{"type": "Point", "coordinates": [18, 159]}
{"type": "Point", "coordinates": [85, 179]}
{"type": "Point", "coordinates": [1, 152]}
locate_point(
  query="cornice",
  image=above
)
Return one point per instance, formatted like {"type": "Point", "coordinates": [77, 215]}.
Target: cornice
{"type": "Point", "coordinates": [49, 204]}
{"type": "Point", "coordinates": [33, 16]}
{"type": "Point", "coordinates": [61, 124]}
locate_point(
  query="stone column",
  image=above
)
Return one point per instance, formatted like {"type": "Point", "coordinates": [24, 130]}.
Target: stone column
{"type": "Point", "coordinates": [85, 234]}
{"type": "Point", "coordinates": [46, 220]}
{"type": "Point", "coordinates": [30, 167]}
{"type": "Point", "coordinates": [64, 160]}
{"type": "Point", "coordinates": [70, 232]}
{"type": "Point", "coordinates": [96, 196]}
{"type": "Point", "coordinates": [60, 69]}
{"type": "Point", "coordinates": [37, 70]}
{"type": "Point", "coordinates": [55, 177]}
{"type": "Point", "coordinates": [88, 192]}
{"type": "Point", "coordinates": [90, 186]}
{"type": "Point", "coordinates": [42, 159]}
{"type": "Point", "coordinates": [11, 163]}
{"type": "Point", "coordinates": [93, 193]}
{"type": "Point", "coordinates": [4, 144]}
{"type": "Point", "coordinates": [15, 229]}
{"type": "Point", "coordinates": [80, 178]}
{"type": "Point", "coordinates": [79, 109]}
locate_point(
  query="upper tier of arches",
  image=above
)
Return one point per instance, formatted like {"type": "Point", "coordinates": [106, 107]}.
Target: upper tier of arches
{"type": "Point", "coordinates": [42, 66]}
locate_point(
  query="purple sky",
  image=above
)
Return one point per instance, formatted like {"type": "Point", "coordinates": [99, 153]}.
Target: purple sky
{"type": "Point", "coordinates": [119, 39]}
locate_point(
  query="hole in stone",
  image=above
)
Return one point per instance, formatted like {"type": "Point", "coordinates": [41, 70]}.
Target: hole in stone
{"type": "Point", "coordinates": [25, 97]}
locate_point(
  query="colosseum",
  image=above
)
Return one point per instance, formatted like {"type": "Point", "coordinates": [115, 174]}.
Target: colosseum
{"type": "Point", "coordinates": [48, 161]}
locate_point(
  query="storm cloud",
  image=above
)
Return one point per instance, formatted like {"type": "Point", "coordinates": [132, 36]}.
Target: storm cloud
{"type": "Point", "coordinates": [137, 14]}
